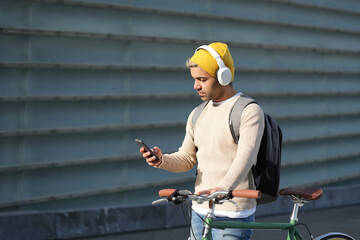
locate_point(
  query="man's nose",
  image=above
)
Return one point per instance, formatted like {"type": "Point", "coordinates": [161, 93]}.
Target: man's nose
{"type": "Point", "coordinates": [197, 85]}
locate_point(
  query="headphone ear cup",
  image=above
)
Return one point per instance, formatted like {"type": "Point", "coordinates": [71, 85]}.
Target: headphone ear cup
{"type": "Point", "coordinates": [224, 76]}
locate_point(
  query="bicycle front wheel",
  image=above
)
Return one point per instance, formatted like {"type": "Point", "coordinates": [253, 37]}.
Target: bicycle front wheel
{"type": "Point", "coordinates": [334, 236]}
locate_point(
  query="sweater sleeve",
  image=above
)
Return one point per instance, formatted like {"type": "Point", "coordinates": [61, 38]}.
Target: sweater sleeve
{"type": "Point", "coordinates": [251, 130]}
{"type": "Point", "coordinates": [185, 158]}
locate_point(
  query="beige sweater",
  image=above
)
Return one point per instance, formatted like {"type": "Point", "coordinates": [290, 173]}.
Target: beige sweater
{"type": "Point", "coordinates": [221, 163]}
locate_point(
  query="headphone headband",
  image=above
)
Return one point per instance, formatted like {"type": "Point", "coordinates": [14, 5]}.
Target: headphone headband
{"type": "Point", "coordinates": [213, 53]}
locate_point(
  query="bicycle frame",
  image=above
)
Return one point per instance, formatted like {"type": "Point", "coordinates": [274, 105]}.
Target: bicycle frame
{"type": "Point", "coordinates": [293, 234]}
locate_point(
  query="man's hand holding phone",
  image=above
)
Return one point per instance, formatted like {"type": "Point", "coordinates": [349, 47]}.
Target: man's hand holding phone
{"type": "Point", "coordinates": [153, 156]}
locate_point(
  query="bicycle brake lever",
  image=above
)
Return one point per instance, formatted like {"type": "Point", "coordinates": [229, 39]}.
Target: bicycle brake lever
{"type": "Point", "coordinates": [159, 201]}
{"type": "Point", "coordinates": [185, 192]}
{"type": "Point", "coordinates": [228, 200]}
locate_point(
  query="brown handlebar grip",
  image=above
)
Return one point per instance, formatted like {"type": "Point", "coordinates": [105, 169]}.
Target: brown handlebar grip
{"type": "Point", "coordinates": [166, 192]}
{"type": "Point", "coordinates": [247, 193]}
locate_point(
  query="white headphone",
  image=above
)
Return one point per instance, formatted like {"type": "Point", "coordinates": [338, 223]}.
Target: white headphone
{"type": "Point", "coordinates": [223, 74]}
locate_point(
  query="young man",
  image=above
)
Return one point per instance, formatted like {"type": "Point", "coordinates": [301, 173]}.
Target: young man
{"type": "Point", "coordinates": [222, 164]}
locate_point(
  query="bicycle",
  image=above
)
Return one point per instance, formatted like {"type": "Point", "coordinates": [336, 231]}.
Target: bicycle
{"type": "Point", "coordinates": [299, 198]}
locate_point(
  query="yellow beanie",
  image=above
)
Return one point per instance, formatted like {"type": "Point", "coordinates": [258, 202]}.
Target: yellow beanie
{"type": "Point", "coordinates": [207, 62]}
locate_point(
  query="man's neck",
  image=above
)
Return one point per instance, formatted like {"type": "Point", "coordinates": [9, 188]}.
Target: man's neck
{"type": "Point", "coordinates": [229, 92]}
{"type": "Point", "coordinates": [224, 101]}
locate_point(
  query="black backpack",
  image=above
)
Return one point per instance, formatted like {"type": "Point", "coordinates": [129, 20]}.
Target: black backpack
{"type": "Point", "coordinates": [266, 172]}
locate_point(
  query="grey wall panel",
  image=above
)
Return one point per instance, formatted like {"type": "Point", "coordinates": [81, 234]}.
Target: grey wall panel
{"type": "Point", "coordinates": [91, 177]}
{"type": "Point", "coordinates": [349, 5]}
{"type": "Point", "coordinates": [75, 114]}
{"type": "Point", "coordinates": [10, 151]}
{"type": "Point", "coordinates": [280, 82]}
{"type": "Point", "coordinates": [14, 13]}
{"type": "Point", "coordinates": [62, 114]}
{"type": "Point", "coordinates": [318, 149]}
{"type": "Point", "coordinates": [55, 147]}
{"type": "Point", "coordinates": [128, 198]}
{"type": "Point", "coordinates": [257, 10]}
{"type": "Point", "coordinates": [71, 50]}
{"type": "Point", "coordinates": [11, 190]}
{"type": "Point", "coordinates": [12, 82]}
{"type": "Point", "coordinates": [320, 126]}
{"type": "Point", "coordinates": [309, 104]}
{"type": "Point", "coordinates": [75, 50]}
{"type": "Point", "coordinates": [295, 60]}
{"type": "Point", "coordinates": [60, 82]}
{"type": "Point", "coordinates": [320, 171]}
{"type": "Point", "coordinates": [137, 21]}
{"type": "Point", "coordinates": [68, 146]}
{"type": "Point", "coordinates": [80, 80]}
{"type": "Point", "coordinates": [12, 116]}
{"type": "Point", "coordinates": [13, 48]}
{"type": "Point", "coordinates": [87, 82]}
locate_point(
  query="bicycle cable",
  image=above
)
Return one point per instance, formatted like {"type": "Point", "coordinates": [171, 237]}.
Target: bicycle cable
{"type": "Point", "coordinates": [183, 211]}
{"type": "Point", "coordinates": [189, 214]}
{"type": "Point", "coordinates": [202, 219]}
{"type": "Point", "coordinates": [307, 228]}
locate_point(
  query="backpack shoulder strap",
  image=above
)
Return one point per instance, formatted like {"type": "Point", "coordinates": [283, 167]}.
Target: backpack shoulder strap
{"type": "Point", "coordinates": [235, 115]}
{"type": "Point", "coordinates": [198, 111]}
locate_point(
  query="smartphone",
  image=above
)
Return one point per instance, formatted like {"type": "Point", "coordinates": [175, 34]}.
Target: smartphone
{"type": "Point", "coordinates": [142, 144]}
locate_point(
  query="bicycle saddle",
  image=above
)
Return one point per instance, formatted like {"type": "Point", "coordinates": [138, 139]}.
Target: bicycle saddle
{"type": "Point", "coordinates": [308, 194]}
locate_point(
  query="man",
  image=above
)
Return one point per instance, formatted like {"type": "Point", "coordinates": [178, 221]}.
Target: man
{"type": "Point", "coordinates": [222, 164]}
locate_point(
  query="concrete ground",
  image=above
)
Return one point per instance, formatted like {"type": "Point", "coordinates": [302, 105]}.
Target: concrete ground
{"type": "Point", "coordinates": [342, 219]}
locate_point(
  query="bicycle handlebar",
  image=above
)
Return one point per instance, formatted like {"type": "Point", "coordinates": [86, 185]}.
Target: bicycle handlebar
{"type": "Point", "coordinates": [235, 193]}
{"type": "Point", "coordinates": [178, 196]}
{"type": "Point", "coordinates": [247, 193]}
{"type": "Point", "coordinates": [166, 192]}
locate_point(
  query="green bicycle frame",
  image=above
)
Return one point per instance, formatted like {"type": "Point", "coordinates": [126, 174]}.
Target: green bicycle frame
{"type": "Point", "coordinates": [293, 234]}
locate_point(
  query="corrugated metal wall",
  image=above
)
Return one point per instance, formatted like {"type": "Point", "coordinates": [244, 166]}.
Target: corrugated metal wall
{"type": "Point", "coordinates": [80, 80]}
